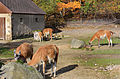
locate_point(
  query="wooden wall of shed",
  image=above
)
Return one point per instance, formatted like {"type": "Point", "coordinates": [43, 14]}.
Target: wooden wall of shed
{"type": "Point", "coordinates": [27, 25]}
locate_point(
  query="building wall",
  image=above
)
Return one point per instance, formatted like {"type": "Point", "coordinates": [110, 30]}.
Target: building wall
{"type": "Point", "coordinates": [8, 26]}
{"type": "Point", "coordinates": [25, 24]}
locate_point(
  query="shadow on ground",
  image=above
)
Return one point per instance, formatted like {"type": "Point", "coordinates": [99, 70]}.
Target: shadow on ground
{"type": "Point", "coordinates": [66, 69]}
{"type": "Point", "coordinates": [11, 45]}
{"type": "Point", "coordinates": [107, 44]}
{"type": "Point", "coordinates": [62, 70]}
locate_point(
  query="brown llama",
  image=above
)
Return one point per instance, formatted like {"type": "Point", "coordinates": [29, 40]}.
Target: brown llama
{"type": "Point", "coordinates": [44, 54]}
{"type": "Point", "coordinates": [23, 52]}
{"type": "Point", "coordinates": [101, 34]}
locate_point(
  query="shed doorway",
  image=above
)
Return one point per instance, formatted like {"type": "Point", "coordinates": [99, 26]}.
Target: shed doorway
{"type": "Point", "coordinates": [2, 28]}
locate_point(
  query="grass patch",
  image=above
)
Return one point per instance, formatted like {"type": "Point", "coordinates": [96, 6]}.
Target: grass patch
{"type": "Point", "coordinates": [101, 62]}
{"type": "Point", "coordinates": [20, 61]}
{"type": "Point", "coordinates": [105, 51]}
{"type": "Point", "coordinates": [99, 58]}
{"type": "Point", "coordinates": [103, 41]}
{"type": "Point", "coordinates": [98, 62]}
{"type": "Point", "coordinates": [6, 52]}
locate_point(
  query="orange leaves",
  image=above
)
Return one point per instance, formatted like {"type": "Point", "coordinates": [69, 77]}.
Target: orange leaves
{"type": "Point", "coordinates": [74, 5]}
{"type": "Point", "coordinates": [61, 5]}
{"type": "Point", "coordinates": [70, 5]}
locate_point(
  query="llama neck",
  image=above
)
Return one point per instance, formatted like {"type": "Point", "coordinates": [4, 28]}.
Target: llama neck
{"type": "Point", "coordinates": [92, 39]}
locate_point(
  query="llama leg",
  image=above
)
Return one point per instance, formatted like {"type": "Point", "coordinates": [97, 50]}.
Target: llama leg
{"type": "Point", "coordinates": [98, 43]}
{"type": "Point", "coordinates": [108, 42]}
{"type": "Point", "coordinates": [108, 38]}
{"type": "Point", "coordinates": [111, 42]}
{"type": "Point", "coordinates": [55, 69]}
{"type": "Point", "coordinates": [51, 69]}
{"type": "Point", "coordinates": [41, 38]}
{"type": "Point", "coordinates": [45, 35]}
{"type": "Point", "coordinates": [39, 67]}
{"type": "Point", "coordinates": [51, 36]}
{"type": "Point", "coordinates": [44, 69]}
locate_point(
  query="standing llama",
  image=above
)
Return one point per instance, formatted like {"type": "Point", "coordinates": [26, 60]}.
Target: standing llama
{"type": "Point", "coordinates": [48, 31]}
{"type": "Point", "coordinates": [101, 34]}
{"type": "Point", "coordinates": [44, 54]}
{"type": "Point", "coordinates": [38, 36]}
{"type": "Point", "coordinates": [23, 52]}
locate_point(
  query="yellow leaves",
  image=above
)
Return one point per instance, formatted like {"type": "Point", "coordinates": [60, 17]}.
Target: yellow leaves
{"type": "Point", "coordinates": [71, 5]}
{"type": "Point", "coordinates": [74, 4]}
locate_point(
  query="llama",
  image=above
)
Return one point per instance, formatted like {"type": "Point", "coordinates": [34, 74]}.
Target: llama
{"type": "Point", "coordinates": [44, 54]}
{"type": "Point", "coordinates": [101, 34]}
{"type": "Point", "coordinates": [38, 36]}
{"type": "Point", "coordinates": [23, 52]}
{"type": "Point", "coordinates": [48, 31]}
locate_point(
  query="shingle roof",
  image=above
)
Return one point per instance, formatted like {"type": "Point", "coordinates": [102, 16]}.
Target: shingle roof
{"type": "Point", "coordinates": [4, 9]}
{"type": "Point", "coordinates": [22, 6]}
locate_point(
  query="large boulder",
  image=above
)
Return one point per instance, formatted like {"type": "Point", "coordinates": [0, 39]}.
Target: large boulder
{"type": "Point", "coordinates": [14, 70]}
{"type": "Point", "coordinates": [77, 43]}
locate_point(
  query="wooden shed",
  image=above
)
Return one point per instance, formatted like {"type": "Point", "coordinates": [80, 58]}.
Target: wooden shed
{"type": "Point", "coordinates": [19, 18]}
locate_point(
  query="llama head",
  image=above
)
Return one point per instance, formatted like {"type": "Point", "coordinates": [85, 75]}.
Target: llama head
{"type": "Point", "coordinates": [17, 56]}
{"type": "Point", "coordinates": [90, 44]}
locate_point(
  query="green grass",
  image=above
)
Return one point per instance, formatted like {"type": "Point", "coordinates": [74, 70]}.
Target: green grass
{"type": "Point", "coordinates": [6, 52]}
{"type": "Point", "coordinates": [20, 61]}
{"type": "Point", "coordinates": [101, 62]}
{"type": "Point", "coordinates": [91, 58]}
{"type": "Point", "coordinates": [105, 52]}
{"type": "Point", "coordinates": [102, 41]}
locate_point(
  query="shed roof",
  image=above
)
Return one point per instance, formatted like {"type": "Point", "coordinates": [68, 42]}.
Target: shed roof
{"type": "Point", "coordinates": [4, 9]}
{"type": "Point", "coordinates": [22, 6]}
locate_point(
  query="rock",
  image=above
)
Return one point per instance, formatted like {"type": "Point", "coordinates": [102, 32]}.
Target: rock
{"type": "Point", "coordinates": [113, 67]}
{"type": "Point", "coordinates": [77, 43]}
{"type": "Point", "coordinates": [14, 70]}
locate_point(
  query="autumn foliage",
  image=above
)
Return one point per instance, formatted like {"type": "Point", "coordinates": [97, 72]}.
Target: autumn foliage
{"type": "Point", "coordinates": [70, 5]}
{"type": "Point", "coordinates": [62, 10]}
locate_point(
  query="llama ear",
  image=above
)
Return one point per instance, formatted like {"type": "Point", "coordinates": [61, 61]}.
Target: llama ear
{"type": "Point", "coordinates": [19, 53]}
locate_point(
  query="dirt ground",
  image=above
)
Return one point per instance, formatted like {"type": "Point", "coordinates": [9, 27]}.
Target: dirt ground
{"type": "Point", "coordinates": [67, 66]}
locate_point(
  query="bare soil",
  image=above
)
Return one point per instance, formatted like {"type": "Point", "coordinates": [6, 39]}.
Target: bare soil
{"type": "Point", "coordinates": [67, 67]}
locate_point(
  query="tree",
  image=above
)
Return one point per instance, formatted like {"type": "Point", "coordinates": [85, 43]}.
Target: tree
{"type": "Point", "coordinates": [62, 7]}
{"type": "Point", "coordinates": [49, 6]}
